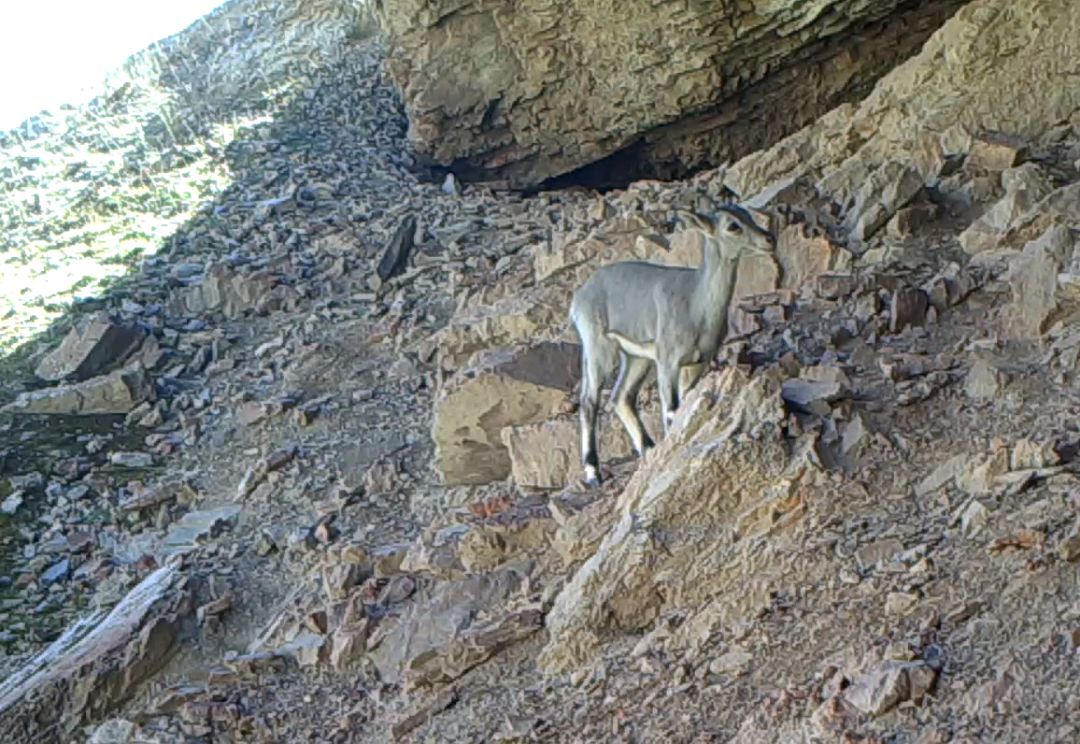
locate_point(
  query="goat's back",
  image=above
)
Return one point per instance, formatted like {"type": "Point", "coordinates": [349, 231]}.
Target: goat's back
{"type": "Point", "coordinates": [623, 296]}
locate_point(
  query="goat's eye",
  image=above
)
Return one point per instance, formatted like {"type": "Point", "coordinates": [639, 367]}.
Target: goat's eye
{"type": "Point", "coordinates": [734, 227]}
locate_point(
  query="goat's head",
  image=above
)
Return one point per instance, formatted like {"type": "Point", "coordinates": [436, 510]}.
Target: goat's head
{"type": "Point", "coordinates": [732, 229]}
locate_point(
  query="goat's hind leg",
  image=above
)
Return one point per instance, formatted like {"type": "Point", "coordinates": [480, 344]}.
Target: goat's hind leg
{"type": "Point", "coordinates": [632, 373]}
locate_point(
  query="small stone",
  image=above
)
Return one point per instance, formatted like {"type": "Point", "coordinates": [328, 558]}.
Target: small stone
{"type": "Point", "coordinates": [891, 683]}
{"type": "Point", "coordinates": [877, 552]}
{"type": "Point", "coordinates": [57, 572]}
{"type": "Point", "coordinates": [908, 308]}
{"type": "Point", "coordinates": [834, 285]}
{"type": "Point", "coordinates": [898, 604]}
{"type": "Point", "coordinates": [983, 380]}
{"type": "Point", "coordinates": [811, 396]}
{"type": "Point", "coordinates": [731, 662]}
{"type": "Point", "coordinates": [11, 504]}
{"type": "Point", "coordinates": [114, 731]}
{"type": "Point", "coordinates": [131, 459]}
{"type": "Point", "coordinates": [450, 185]}
{"type": "Point", "coordinates": [996, 152]}
{"type": "Point", "coordinates": [265, 544]}
{"type": "Point", "coordinates": [250, 413]}
{"type": "Point", "coordinates": [1069, 547]}
{"type": "Point", "coordinates": [974, 518]}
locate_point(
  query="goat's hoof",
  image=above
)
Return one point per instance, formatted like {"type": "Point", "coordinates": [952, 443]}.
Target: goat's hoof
{"type": "Point", "coordinates": [591, 483]}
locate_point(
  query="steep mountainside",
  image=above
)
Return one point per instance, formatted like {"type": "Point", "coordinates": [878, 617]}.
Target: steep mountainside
{"type": "Point", "coordinates": [311, 472]}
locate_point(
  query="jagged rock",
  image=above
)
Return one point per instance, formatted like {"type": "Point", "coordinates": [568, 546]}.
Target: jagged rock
{"type": "Point", "coordinates": [223, 290]}
{"type": "Point", "coordinates": [1034, 282]}
{"type": "Point", "coordinates": [1025, 187]}
{"type": "Point", "coordinates": [983, 380]}
{"type": "Point", "coordinates": [386, 559]}
{"type": "Point", "coordinates": [884, 192]}
{"type": "Point", "coordinates": [757, 275]}
{"type": "Point", "coordinates": [996, 151]}
{"type": "Point", "coordinates": [94, 346]}
{"type": "Point", "coordinates": [195, 527]}
{"type": "Point", "coordinates": [891, 683]}
{"type": "Point", "coordinates": [728, 432]}
{"type": "Point", "coordinates": [1059, 209]}
{"type": "Point", "coordinates": [505, 387]}
{"type": "Point", "coordinates": [803, 258]}
{"type": "Point", "coordinates": [396, 254]}
{"type": "Point", "coordinates": [909, 220]}
{"type": "Point", "coordinates": [114, 731]}
{"type": "Point", "coordinates": [423, 713]}
{"type": "Point", "coordinates": [834, 285]}
{"type": "Point", "coordinates": [942, 92]}
{"type": "Point", "coordinates": [495, 94]}
{"type": "Point", "coordinates": [471, 648]}
{"type": "Point", "coordinates": [974, 518]}
{"type": "Point", "coordinates": [812, 396]}
{"type": "Point", "coordinates": [117, 392]}
{"type": "Point", "coordinates": [622, 239]}
{"type": "Point", "coordinates": [1069, 547]}
{"type": "Point", "coordinates": [96, 664]}
{"type": "Point", "coordinates": [11, 504]}
{"type": "Point", "coordinates": [907, 308]}
{"type": "Point", "coordinates": [436, 551]}
{"type": "Point", "coordinates": [580, 533]}
{"type": "Point", "coordinates": [436, 621]}
{"type": "Point", "coordinates": [509, 321]}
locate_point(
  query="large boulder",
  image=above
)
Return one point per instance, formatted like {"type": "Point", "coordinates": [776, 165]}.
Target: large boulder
{"type": "Point", "coordinates": [531, 90]}
{"type": "Point", "coordinates": [117, 392]}
{"type": "Point", "coordinates": [697, 524]}
{"type": "Point", "coordinates": [504, 387]}
{"type": "Point", "coordinates": [94, 345]}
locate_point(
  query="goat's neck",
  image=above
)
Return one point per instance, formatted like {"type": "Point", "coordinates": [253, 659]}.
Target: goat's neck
{"type": "Point", "coordinates": [716, 285]}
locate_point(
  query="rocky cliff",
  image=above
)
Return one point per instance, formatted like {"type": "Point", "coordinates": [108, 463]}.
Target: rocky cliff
{"type": "Point", "coordinates": [343, 502]}
{"type": "Point", "coordinates": [529, 91]}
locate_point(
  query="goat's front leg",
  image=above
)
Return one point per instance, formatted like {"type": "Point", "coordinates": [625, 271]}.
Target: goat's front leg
{"type": "Point", "coordinates": [667, 379]}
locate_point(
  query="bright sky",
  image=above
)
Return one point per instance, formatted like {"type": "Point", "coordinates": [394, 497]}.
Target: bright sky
{"type": "Point", "coordinates": [58, 51]}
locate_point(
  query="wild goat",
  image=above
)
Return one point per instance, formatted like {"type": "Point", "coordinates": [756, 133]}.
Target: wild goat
{"type": "Point", "coordinates": [640, 313]}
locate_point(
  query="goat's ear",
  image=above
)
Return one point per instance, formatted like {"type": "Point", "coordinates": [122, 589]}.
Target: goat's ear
{"type": "Point", "coordinates": [695, 221]}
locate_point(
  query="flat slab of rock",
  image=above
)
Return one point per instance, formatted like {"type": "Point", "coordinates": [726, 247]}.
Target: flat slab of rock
{"type": "Point", "coordinates": [197, 526]}
{"type": "Point", "coordinates": [548, 455]}
{"type": "Point", "coordinates": [435, 622]}
{"type": "Point", "coordinates": [117, 392]}
{"type": "Point", "coordinates": [92, 347]}
{"type": "Point", "coordinates": [471, 648]}
{"type": "Point", "coordinates": [505, 387]}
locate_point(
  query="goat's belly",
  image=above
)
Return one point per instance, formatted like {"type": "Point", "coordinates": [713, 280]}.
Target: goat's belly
{"type": "Point", "coordinates": [645, 350]}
